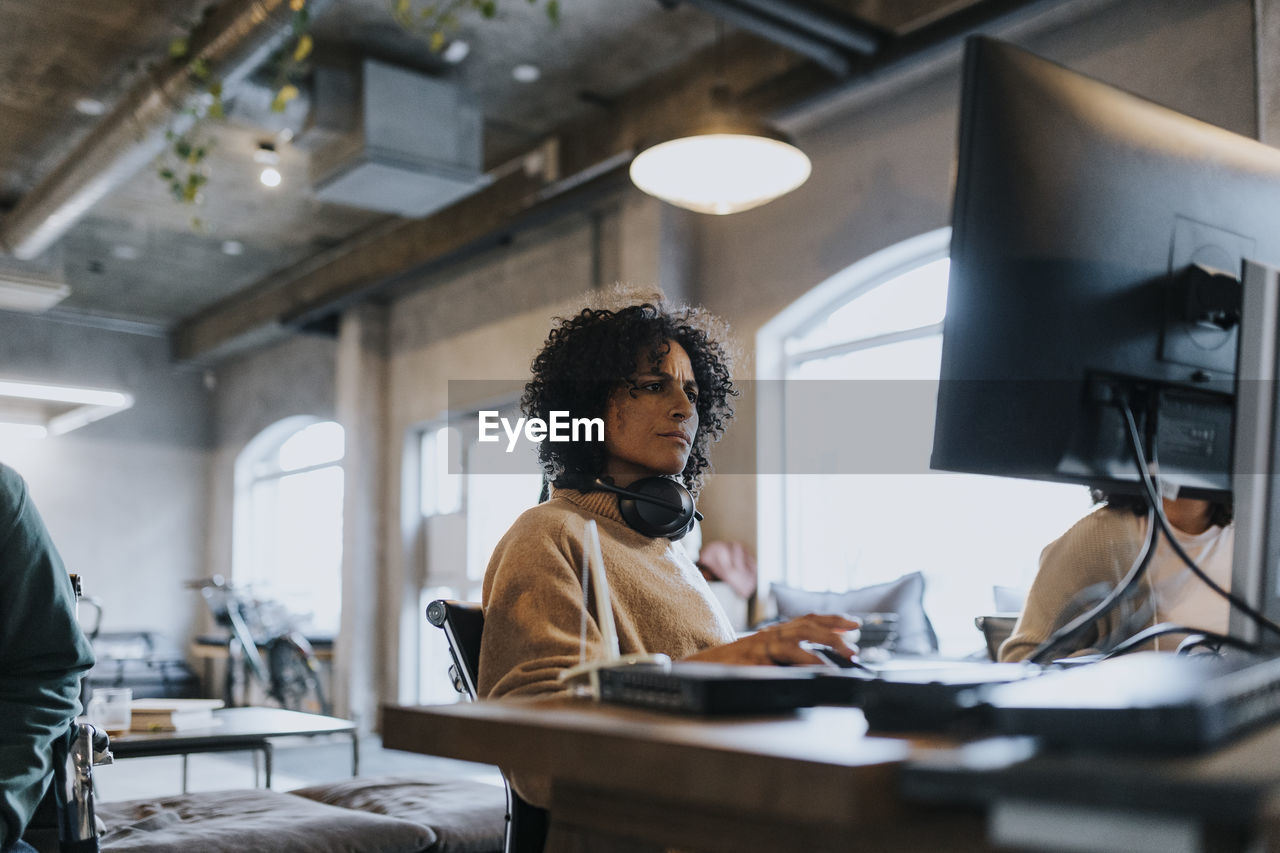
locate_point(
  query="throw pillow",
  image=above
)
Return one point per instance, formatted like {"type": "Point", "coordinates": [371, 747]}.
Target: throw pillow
{"type": "Point", "coordinates": [903, 596]}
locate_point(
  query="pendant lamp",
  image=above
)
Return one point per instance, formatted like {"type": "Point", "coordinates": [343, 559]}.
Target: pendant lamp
{"type": "Point", "coordinates": [729, 163]}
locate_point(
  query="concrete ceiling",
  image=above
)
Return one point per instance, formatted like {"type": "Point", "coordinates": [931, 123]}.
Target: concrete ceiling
{"type": "Point", "coordinates": [136, 256]}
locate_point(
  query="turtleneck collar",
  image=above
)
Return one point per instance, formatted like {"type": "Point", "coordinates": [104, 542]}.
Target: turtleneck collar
{"type": "Point", "coordinates": [600, 503]}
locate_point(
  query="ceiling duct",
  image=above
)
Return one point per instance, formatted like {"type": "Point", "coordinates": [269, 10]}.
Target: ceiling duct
{"type": "Point", "coordinates": [393, 140]}
{"type": "Point", "coordinates": [233, 40]}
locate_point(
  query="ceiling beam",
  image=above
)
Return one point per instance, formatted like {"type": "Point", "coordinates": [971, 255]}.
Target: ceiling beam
{"type": "Point", "coordinates": [805, 43]}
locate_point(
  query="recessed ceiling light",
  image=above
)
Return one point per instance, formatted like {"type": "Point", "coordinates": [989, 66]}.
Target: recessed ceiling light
{"type": "Point", "coordinates": [125, 252]}
{"type": "Point", "coordinates": [232, 247]}
{"type": "Point", "coordinates": [90, 106]}
{"type": "Point", "coordinates": [456, 51]}
{"type": "Point", "coordinates": [526, 73]}
{"type": "Point", "coordinates": [266, 154]}
{"type": "Point", "coordinates": [270, 177]}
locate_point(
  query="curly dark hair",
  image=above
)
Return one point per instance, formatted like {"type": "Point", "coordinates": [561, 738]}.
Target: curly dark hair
{"type": "Point", "coordinates": [1221, 512]}
{"type": "Point", "coordinates": [586, 357]}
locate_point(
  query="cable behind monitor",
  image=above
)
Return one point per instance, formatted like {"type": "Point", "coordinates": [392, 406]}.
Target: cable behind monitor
{"type": "Point", "coordinates": [1153, 497]}
{"type": "Point", "coordinates": [1073, 629]}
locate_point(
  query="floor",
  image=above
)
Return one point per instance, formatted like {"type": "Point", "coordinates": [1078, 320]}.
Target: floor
{"type": "Point", "coordinates": [297, 762]}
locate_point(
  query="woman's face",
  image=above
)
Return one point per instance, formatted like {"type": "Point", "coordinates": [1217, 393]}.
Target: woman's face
{"type": "Point", "coordinates": [651, 419]}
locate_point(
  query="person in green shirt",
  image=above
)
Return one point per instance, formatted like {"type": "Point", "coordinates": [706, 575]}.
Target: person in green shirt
{"type": "Point", "coordinates": [43, 654]}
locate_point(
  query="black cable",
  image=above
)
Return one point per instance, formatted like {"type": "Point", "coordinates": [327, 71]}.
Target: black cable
{"type": "Point", "coordinates": [1077, 626]}
{"type": "Point", "coordinates": [1153, 498]}
{"type": "Point", "coordinates": [1165, 628]}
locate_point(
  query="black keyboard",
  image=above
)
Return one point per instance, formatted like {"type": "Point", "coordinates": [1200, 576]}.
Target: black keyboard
{"type": "Point", "coordinates": [712, 689]}
{"type": "Point", "coordinates": [1143, 702]}
{"type": "Point", "coordinates": [903, 695]}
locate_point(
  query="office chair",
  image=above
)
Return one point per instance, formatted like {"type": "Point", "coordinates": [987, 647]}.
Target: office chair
{"type": "Point", "coordinates": [463, 624]}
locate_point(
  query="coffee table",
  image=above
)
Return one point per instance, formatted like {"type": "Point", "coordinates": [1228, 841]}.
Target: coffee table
{"type": "Point", "coordinates": [237, 730]}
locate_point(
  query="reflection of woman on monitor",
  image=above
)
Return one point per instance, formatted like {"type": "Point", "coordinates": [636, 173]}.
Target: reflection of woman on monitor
{"type": "Point", "coordinates": [1079, 568]}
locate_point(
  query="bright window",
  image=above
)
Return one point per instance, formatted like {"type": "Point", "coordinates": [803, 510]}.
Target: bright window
{"type": "Point", "coordinates": [882, 320]}
{"type": "Point", "coordinates": [288, 520]}
{"type": "Point", "coordinates": [470, 494]}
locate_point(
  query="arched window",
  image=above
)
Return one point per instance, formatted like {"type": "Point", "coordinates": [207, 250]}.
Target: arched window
{"type": "Point", "coordinates": [288, 519]}
{"type": "Point", "coordinates": [881, 319]}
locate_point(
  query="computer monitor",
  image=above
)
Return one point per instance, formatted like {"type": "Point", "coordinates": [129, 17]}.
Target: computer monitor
{"type": "Point", "coordinates": [1096, 251]}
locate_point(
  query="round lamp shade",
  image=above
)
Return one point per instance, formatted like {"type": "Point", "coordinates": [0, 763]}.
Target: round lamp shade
{"type": "Point", "coordinates": [720, 172]}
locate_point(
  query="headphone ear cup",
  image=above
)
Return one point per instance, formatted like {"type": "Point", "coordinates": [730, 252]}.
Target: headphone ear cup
{"type": "Point", "coordinates": [653, 519]}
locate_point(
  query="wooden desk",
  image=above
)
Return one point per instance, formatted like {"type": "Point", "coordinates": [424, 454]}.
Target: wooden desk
{"type": "Point", "coordinates": [237, 730]}
{"type": "Point", "coordinates": [811, 781]}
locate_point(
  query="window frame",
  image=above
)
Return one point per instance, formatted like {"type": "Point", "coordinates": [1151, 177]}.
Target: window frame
{"type": "Point", "coordinates": [773, 363]}
{"type": "Point", "coordinates": [254, 465]}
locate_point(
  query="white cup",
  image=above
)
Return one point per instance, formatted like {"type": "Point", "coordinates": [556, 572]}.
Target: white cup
{"type": "Point", "coordinates": [109, 709]}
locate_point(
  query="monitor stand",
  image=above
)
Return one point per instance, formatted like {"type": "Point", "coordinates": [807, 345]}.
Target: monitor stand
{"type": "Point", "coordinates": [1256, 474]}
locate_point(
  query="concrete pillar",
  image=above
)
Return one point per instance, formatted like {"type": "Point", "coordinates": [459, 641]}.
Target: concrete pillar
{"type": "Point", "coordinates": [361, 409]}
{"type": "Point", "coordinates": [655, 247]}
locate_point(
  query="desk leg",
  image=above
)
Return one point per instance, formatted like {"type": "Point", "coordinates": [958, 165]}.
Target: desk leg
{"type": "Point", "coordinates": [266, 758]}
{"type": "Point", "coordinates": [254, 752]}
{"type": "Point", "coordinates": [184, 772]}
{"type": "Point", "coordinates": [355, 753]}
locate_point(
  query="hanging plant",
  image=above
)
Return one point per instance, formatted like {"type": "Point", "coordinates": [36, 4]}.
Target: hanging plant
{"type": "Point", "coordinates": [182, 166]}
{"type": "Point", "coordinates": [438, 20]}
{"type": "Point", "coordinates": [290, 63]}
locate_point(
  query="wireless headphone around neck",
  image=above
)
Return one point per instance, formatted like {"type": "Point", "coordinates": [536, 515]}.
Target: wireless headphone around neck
{"type": "Point", "coordinates": [654, 506]}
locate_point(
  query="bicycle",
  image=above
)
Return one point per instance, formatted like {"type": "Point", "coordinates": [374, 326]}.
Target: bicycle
{"type": "Point", "coordinates": [289, 674]}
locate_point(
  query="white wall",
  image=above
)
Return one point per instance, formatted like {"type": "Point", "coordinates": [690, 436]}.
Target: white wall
{"type": "Point", "coordinates": [124, 498]}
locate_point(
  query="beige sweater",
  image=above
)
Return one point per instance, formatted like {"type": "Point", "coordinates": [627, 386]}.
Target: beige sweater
{"type": "Point", "coordinates": [1081, 566]}
{"type": "Point", "coordinates": [533, 596]}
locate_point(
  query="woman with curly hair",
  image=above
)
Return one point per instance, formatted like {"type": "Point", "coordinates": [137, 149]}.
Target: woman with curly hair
{"type": "Point", "coordinates": [660, 381]}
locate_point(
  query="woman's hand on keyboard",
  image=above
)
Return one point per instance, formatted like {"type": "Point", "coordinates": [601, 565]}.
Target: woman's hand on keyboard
{"type": "Point", "coordinates": [783, 643]}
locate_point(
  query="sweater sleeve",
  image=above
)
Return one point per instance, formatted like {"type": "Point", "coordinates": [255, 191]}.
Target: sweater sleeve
{"type": "Point", "coordinates": [42, 656]}
{"type": "Point", "coordinates": [1076, 571]}
{"type": "Point", "coordinates": [533, 612]}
